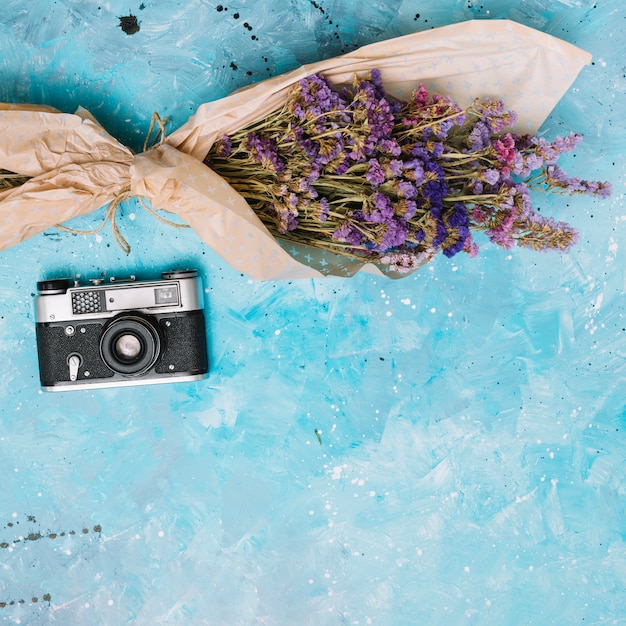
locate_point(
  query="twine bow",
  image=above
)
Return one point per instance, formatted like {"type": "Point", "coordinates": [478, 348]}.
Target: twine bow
{"type": "Point", "coordinates": [157, 126]}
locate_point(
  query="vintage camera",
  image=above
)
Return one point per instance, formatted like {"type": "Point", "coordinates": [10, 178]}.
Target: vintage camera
{"type": "Point", "coordinates": [121, 332]}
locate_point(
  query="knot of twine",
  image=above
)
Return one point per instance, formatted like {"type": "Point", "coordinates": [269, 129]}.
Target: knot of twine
{"type": "Point", "coordinates": [158, 125]}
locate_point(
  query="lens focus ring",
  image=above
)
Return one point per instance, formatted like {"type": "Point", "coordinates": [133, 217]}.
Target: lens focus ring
{"type": "Point", "coordinates": [130, 345]}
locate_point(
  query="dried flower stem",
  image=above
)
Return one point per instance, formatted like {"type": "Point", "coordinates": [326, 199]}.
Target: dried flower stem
{"type": "Point", "coordinates": [10, 180]}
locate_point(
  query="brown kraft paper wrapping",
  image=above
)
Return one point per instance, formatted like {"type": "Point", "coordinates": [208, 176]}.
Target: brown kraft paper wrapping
{"type": "Point", "coordinates": [76, 167]}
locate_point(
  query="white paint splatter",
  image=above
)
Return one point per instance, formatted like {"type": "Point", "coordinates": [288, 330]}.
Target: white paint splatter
{"type": "Point", "coordinates": [598, 303]}
{"type": "Point", "coordinates": [337, 470]}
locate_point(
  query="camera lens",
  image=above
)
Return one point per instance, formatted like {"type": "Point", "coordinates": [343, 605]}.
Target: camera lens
{"type": "Point", "coordinates": [130, 345]}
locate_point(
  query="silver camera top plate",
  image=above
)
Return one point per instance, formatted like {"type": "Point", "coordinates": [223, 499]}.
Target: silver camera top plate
{"type": "Point", "coordinates": [180, 290]}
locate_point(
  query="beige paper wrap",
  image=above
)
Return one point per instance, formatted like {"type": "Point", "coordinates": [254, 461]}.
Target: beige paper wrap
{"type": "Point", "coordinates": [77, 167]}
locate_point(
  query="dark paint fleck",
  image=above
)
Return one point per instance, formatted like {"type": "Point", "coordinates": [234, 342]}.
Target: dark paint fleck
{"type": "Point", "coordinates": [129, 24]}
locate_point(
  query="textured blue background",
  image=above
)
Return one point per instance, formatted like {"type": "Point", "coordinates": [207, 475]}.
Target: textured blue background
{"type": "Point", "coordinates": [472, 464]}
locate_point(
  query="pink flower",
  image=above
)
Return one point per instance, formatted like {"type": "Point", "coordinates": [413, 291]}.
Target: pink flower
{"type": "Point", "coordinates": [505, 150]}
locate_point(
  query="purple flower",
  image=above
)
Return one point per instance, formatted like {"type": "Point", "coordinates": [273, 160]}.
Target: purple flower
{"type": "Point", "coordinates": [330, 150]}
{"type": "Point", "coordinates": [604, 189]}
{"type": "Point", "coordinates": [377, 80]}
{"type": "Point", "coordinates": [501, 237]}
{"type": "Point", "coordinates": [435, 170]}
{"type": "Point", "coordinates": [416, 168]}
{"type": "Point", "coordinates": [375, 174]}
{"type": "Point", "coordinates": [522, 201]}
{"type": "Point", "coordinates": [348, 233]}
{"type": "Point", "coordinates": [528, 164]}
{"type": "Point", "coordinates": [491, 176]}
{"type": "Point", "coordinates": [434, 191]}
{"type": "Point", "coordinates": [437, 149]}
{"type": "Point", "coordinates": [395, 167]}
{"type": "Point", "coordinates": [324, 209]}
{"type": "Point", "coordinates": [305, 187]}
{"type": "Point", "coordinates": [342, 167]}
{"type": "Point", "coordinates": [292, 200]}
{"type": "Point", "coordinates": [480, 137]}
{"type": "Point", "coordinates": [224, 147]}
{"type": "Point", "coordinates": [546, 150]}
{"type": "Point", "coordinates": [305, 143]}
{"type": "Point", "coordinates": [390, 146]}
{"type": "Point", "coordinates": [458, 217]}
{"type": "Point", "coordinates": [441, 129]}
{"type": "Point", "coordinates": [318, 95]}
{"type": "Point", "coordinates": [454, 248]}
{"type": "Point", "coordinates": [542, 234]}
{"type": "Point", "coordinates": [370, 97]}
{"type": "Point", "coordinates": [419, 150]}
{"type": "Point", "coordinates": [382, 211]}
{"type": "Point", "coordinates": [442, 234]}
{"type": "Point", "coordinates": [494, 115]}
{"type": "Point", "coordinates": [556, 177]}
{"type": "Point", "coordinates": [264, 151]}
{"type": "Point", "coordinates": [395, 235]}
{"type": "Point", "coordinates": [314, 173]}
{"type": "Point", "coordinates": [405, 189]}
{"type": "Point", "coordinates": [533, 161]}
{"type": "Point", "coordinates": [568, 143]}
{"type": "Point", "coordinates": [410, 210]}
{"type": "Point", "coordinates": [287, 217]}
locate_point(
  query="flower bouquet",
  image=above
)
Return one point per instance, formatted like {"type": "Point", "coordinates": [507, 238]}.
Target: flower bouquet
{"type": "Point", "coordinates": [381, 179]}
{"type": "Point", "coordinates": [361, 174]}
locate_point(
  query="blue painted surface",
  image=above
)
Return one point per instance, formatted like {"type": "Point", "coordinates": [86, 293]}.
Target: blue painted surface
{"type": "Point", "coordinates": [470, 467]}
